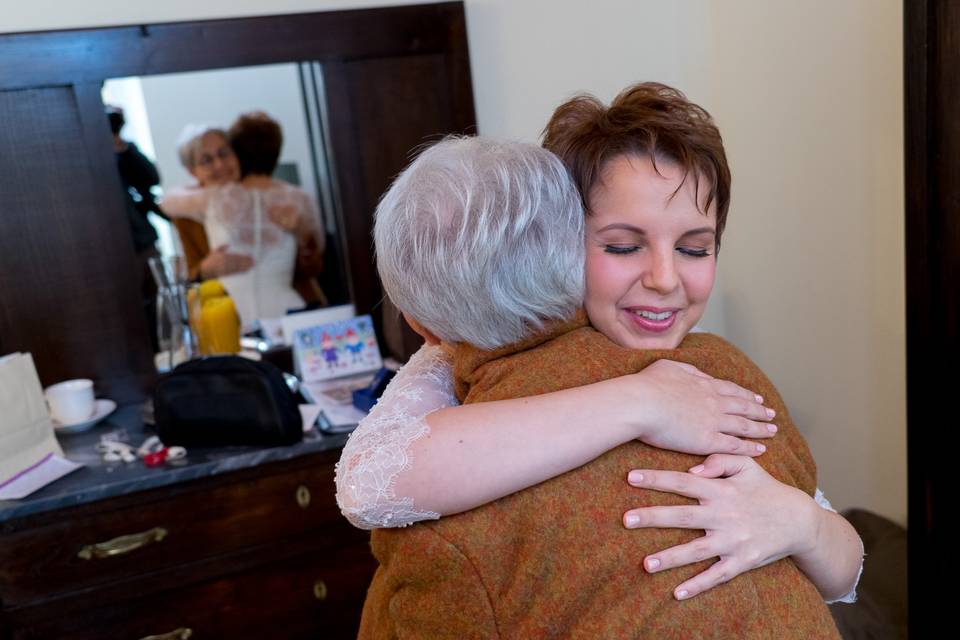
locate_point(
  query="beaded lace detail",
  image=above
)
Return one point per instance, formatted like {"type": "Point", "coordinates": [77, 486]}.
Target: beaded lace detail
{"type": "Point", "coordinates": [378, 450]}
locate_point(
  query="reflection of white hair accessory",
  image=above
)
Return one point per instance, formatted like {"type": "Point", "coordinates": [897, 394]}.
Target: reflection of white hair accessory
{"type": "Point", "coordinates": [189, 140]}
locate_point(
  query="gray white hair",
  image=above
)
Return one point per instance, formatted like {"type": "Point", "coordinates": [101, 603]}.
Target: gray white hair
{"type": "Point", "coordinates": [189, 141]}
{"type": "Point", "coordinates": [481, 241]}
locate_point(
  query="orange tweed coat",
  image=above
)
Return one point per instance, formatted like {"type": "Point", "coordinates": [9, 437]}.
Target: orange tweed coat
{"type": "Point", "coordinates": [554, 561]}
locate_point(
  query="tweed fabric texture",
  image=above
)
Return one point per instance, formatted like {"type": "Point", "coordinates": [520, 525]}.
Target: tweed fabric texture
{"type": "Point", "coordinates": [554, 560]}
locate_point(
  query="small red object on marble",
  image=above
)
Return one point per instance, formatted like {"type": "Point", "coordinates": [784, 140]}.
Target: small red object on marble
{"type": "Point", "coordinates": [156, 458]}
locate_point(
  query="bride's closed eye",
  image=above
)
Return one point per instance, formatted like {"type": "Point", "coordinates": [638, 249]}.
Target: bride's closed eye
{"type": "Point", "coordinates": [620, 249]}
{"type": "Point", "coordinates": [693, 252]}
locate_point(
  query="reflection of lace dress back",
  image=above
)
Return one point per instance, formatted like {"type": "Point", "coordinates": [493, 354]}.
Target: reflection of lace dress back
{"type": "Point", "coordinates": [237, 217]}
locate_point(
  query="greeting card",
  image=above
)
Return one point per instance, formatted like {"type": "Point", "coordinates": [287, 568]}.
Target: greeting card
{"type": "Point", "coordinates": [336, 349]}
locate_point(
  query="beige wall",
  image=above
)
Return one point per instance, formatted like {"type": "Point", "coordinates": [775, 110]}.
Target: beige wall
{"type": "Point", "coordinates": [808, 96]}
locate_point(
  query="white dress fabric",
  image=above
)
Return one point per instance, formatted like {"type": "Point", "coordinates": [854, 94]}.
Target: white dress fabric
{"type": "Point", "coordinates": [238, 217]}
{"type": "Point", "coordinates": [378, 450]}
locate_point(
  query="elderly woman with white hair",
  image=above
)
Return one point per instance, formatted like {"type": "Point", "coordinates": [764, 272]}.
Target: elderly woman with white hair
{"type": "Point", "coordinates": [482, 243]}
{"type": "Point", "coordinates": [206, 154]}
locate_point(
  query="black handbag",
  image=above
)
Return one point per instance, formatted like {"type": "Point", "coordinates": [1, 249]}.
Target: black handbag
{"type": "Point", "coordinates": [226, 400]}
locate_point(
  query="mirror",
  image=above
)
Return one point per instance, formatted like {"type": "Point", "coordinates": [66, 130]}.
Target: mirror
{"type": "Point", "coordinates": [162, 126]}
{"type": "Point", "coordinates": [391, 78]}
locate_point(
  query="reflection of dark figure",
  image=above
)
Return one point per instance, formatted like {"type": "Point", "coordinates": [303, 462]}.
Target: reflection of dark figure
{"type": "Point", "coordinates": [138, 175]}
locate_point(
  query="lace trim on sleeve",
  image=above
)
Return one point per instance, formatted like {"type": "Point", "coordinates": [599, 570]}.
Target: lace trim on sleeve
{"type": "Point", "coordinates": [851, 596]}
{"type": "Point", "coordinates": [378, 450]}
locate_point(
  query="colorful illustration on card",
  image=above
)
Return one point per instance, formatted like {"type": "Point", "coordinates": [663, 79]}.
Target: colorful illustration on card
{"type": "Point", "coordinates": [336, 349]}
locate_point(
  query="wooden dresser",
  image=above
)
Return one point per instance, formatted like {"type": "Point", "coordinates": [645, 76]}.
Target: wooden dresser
{"type": "Point", "coordinates": [260, 552]}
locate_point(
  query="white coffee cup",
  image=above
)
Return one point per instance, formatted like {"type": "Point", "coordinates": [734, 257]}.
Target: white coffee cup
{"type": "Point", "coordinates": [71, 401]}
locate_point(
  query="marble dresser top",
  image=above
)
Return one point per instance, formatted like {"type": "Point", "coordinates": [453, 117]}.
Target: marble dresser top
{"type": "Point", "coordinates": [99, 480]}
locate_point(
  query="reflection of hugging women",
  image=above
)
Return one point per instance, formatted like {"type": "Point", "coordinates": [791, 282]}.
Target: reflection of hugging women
{"type": "Point", "coordinates": [553, 461]}
{"type": "Point", "coordinates": [260, 227]}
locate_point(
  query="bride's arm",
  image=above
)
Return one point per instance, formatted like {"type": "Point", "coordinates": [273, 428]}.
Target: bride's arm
{"type": "Point", "coordinates": [377, 452]}
{"type": "Point", "coordinates": [186, 202]}
{"type": "Point", "coordinates": [402, 465]}
{"type": "Point", "coordinates": [296, 213]}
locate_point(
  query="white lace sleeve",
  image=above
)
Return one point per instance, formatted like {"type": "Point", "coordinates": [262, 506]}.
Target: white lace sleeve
{"type": "Point", "coordinates": [850, 596]}
{"type": "Point", "coordinates": [378, 450]}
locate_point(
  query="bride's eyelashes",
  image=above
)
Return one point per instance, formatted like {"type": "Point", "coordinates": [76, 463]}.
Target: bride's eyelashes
{"type": "Point", "coordinates": [620, 250]}
{"type": "Point", "coordinates": [694, 253]}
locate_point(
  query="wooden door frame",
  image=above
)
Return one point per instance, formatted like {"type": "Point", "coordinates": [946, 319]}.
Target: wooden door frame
{"type": "Point", "coordinates": [932, 179]}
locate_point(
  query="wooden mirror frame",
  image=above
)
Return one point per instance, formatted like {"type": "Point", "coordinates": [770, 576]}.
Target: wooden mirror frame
{"type": "Point", "coordinates": [395, 77]}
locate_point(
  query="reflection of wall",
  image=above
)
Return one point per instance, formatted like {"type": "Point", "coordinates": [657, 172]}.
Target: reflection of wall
{"type": "Point", "coordinates": [217, 97]}
{"type": "Point", "coordinates": [809, 99]}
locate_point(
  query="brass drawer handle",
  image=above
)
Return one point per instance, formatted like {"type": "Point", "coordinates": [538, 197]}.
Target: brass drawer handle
{"type": "Point", "coordinates": [303, 496]}
{"type": "Point", "coordinates": [177, 634]}
{"type": "Point", "coordinates": [123, 544]}
{"type": "Point", "coordinates": [320, 590]}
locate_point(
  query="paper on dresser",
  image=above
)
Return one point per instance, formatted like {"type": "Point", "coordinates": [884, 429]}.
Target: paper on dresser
{"type": "Point", "coordinates": [309, 414]}
{"type": "Point", "coordinates": [332, 397]}
{"type": "Point", "coordinates": [26, 433]}
{"type": "Point", "coordinates": [50, 468]}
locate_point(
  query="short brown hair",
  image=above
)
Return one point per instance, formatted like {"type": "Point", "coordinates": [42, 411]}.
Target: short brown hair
{"type": "Point", "coordinates": [256, 138]}
{"type": "Point", "coordinates": [648, 119]}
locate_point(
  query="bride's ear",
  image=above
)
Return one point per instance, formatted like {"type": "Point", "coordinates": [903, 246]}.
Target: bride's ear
{"type": "Point", "coordinates": [424, 333]}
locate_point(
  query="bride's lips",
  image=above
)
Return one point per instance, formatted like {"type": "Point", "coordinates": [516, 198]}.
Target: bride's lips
{"type": "Point", "coordinates": [652, 319]}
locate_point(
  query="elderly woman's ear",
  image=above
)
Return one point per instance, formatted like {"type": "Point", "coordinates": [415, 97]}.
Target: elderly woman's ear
{"type": "Point", "coordinates": [424, 333]}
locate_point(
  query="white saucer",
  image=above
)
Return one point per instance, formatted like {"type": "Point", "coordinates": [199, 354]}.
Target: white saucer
{"type": "Point", "coordinates": [101, 410]}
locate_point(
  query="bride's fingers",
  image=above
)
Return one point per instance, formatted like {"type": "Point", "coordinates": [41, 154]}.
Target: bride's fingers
{"type": "Point", "coordinates": [677, 482]}
{"type": "Point", "coordinates": [720, 465]}
{"type": "Point", "coordinates": [672, 517]}
{"type": "Point", "coordinates": [732, 389]}
{"type": "Point", "coordinates": [720, 572]}
{"type": "Point", "coordinates": [746, 428]}
{"type": "Point", "coordinates": [745, 407]}
{"type": "Point", "coordinates": [703, 548]}
{"type": "Point", "coordinates": [689, 368]}
{"type": "Point", "coordinates": [736, 446]}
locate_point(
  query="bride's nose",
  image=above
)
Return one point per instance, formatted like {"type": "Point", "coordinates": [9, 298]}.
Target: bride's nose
{"type": "Point", "coordinates": [659, 272]}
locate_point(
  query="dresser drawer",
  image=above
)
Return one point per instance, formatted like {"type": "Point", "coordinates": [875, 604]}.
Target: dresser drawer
{"type": "Point", "coordinates": [159, 529]}
{"type": "Point", "coordinates": [318, 595]}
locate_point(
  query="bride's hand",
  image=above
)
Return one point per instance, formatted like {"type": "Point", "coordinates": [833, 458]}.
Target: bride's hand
{"type": "Point", "coordinates": [285, 216]}
{"type": "Point", "coordinates": [220, 262]}
{"type": "Point", "coordinates": [750, 518]}
{"type": "Point", "coordinates": [683, 409]}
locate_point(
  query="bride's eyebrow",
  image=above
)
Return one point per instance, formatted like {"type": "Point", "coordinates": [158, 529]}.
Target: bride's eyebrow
{"type": "Point", "coordinates": [622, 226]}
{"type": "Point", "coordinates": [707, 231]}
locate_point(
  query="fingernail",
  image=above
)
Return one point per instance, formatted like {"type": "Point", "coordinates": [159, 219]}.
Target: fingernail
{"type": "Point", "coordinates": [631, 520]}
{"type": "Point", "coordinates": [759, 398]}
{"type": "Point", "coordinates": [772, 428]}
{"type": "Point", "coordinates": [635, 477]}
{"type": "Point", "coordinates": [771, 413]}
{"type": "Point", "coordinates": [682, 594]}
{"type": "Point", "coordinates": [761, 448]}
{"type": "Point", "coordinates": [652, 564]}
{"type": "Point", "coordinates": [697, 469]}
